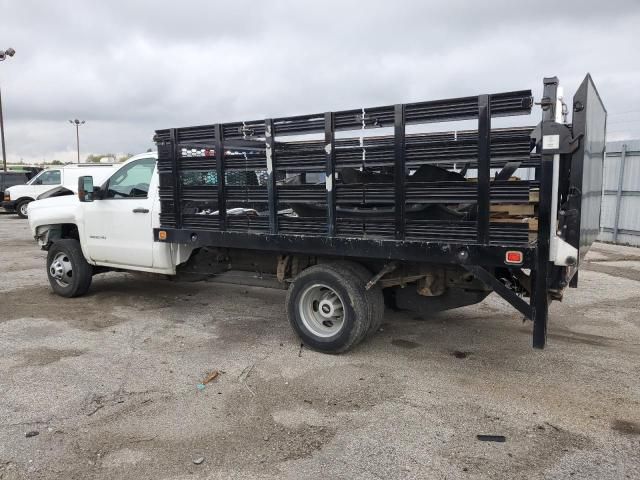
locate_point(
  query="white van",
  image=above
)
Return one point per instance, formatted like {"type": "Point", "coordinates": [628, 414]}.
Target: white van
{"type": "Point", "coordinates": [17, 198]}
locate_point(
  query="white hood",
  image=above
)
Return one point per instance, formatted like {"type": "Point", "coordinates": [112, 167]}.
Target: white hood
{"type": "Point", "coordinates": [17, 191]}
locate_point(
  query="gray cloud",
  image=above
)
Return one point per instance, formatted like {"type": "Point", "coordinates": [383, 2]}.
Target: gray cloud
{"type": "Point", "coordinates": [130, 67]}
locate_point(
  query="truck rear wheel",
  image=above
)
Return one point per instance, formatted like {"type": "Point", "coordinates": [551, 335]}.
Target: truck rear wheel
{"type": "Point", "coordinates": [375, 297]}
{"type": "Point", "coordinates": [68, 272]}
{"type": "Point", "coordinates": [327, 307]}
{"type": "Point", "coordinates": [21, 208]}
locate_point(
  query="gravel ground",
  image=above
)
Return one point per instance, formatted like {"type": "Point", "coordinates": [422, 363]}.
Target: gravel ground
{"type": "Point", "coordinates": [110, 383]}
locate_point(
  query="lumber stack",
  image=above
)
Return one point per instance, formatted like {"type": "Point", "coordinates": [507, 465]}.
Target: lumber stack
{"type": "Point", "coordinates": [519, 213]}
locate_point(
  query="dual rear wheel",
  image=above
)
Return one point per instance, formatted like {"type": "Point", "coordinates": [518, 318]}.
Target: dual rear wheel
{"type": "Point", "coordinates": [330, 309]}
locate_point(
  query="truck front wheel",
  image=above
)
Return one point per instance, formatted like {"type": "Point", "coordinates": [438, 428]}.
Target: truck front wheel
{"type": "Point", "coordinates": [68, 272]}
{"type": "Point", "coordinates": [327, 307]}
{"type": "Point", "coordinates": [21, 208]}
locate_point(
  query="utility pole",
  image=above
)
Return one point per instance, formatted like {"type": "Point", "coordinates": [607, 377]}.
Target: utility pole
{"type": "Point", "coordinates": [9, 52]}
{"type": "Point", "coordinates": [77, 123]}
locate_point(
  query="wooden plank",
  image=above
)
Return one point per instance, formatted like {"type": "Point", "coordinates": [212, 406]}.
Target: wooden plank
{"type": "Point", "coordinates": [513, 209]}
{"type": "Point", "coordinates": [534, 196]}
{"type": "Point", "coordinates": [510, 179]}
{"type": "Point", "coordinates": [533, 222]}
{"type": "Point", "coordinates": [510, 220]}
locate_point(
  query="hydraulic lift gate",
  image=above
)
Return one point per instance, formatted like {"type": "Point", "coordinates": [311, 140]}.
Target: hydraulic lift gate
{"type": "Point", "coordinates": [585, 194]}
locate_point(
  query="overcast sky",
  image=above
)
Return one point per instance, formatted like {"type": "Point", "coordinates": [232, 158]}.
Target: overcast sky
{"type": "Point", "coordinates": [130, 67]}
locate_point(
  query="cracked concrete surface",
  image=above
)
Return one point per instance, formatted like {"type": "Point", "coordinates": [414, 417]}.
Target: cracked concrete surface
{"type": "Point", "coordinates": [109, 382]}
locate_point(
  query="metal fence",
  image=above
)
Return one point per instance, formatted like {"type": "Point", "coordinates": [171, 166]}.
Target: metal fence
{"type": "Point", "coordinates": [620, 220]}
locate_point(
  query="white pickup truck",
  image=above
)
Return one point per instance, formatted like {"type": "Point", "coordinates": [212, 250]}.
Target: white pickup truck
{"type": "Point", "coordinates": [18, 197]}
{"type": "Point", "coordinates": [115, 232]}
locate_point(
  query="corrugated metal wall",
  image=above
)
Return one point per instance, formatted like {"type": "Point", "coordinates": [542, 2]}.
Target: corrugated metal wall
{"type": "Point", "coordinates": [620, 220]}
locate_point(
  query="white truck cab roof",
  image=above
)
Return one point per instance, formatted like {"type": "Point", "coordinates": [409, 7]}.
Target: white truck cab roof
{"type": "Point", "coordinates": [65, 175]}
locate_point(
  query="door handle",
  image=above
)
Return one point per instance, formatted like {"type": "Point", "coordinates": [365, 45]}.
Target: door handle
{"type": "Point", "coordinates": [140, 210]}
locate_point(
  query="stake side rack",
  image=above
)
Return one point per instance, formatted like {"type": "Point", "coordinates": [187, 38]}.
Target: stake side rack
{"type": "Point", "coordinates": [282, 185]}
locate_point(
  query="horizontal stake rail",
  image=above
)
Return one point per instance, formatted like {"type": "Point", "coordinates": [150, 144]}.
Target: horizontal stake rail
{"type": "Point", "coordinates": [190, 157]}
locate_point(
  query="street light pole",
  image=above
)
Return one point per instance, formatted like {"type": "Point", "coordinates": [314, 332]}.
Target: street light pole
{"type": "Point", "coordinates": [77, 123]}
{"type": "Point", "coordinates": [4, 153]}
{"type": "Point", "coordinates": [9, 52]}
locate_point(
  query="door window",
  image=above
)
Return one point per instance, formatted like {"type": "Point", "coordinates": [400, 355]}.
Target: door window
{"type": "Point", "coordinates": [133, 180]}
{"type": "Point", "coordinates": [48, 177]}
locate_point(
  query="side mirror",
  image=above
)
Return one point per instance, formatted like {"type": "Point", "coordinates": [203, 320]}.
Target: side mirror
{"type": "Point", "coordinates": [85, 188]}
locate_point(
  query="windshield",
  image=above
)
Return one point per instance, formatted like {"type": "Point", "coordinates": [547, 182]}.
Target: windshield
{"type": "Point", "coordinates": [34, 178]}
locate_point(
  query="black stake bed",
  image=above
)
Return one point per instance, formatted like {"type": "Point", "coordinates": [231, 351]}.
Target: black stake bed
{"type": "Point", "coordinates": [330, 184]}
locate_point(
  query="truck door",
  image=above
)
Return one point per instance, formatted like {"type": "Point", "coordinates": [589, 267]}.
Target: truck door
{"type": "Point", "coordinates": [45, 182]}
{"type": "Point", "coordinates": [118, 226]}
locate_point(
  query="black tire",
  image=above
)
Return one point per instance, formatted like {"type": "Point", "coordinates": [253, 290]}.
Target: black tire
{"type": "Point", "coordinates": [22, 205]}
{"type": "Point", "coordinates": [375, 297]}
{"type": "Point", "coordinates": [350, 290]}
{"type": "Point", "coordinates": [74, 282]}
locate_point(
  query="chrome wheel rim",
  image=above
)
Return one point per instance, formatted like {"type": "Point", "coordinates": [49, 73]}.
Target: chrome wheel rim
{"type": "Point", "coordinates": [61, 269]}
{"type": "Point", "coordinates": [321, 310]}
{"type": "Point", "coordinates": [23, 209]}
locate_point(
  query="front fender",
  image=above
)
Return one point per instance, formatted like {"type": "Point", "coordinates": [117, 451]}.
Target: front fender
{"type": "Point", "coordinates": [52, 211]}
{"type": "Point", "coordinates": [52, 218]}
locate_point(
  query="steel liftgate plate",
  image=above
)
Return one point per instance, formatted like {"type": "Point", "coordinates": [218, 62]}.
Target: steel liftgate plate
{"type": "Point", "coordinates": [589, 128]}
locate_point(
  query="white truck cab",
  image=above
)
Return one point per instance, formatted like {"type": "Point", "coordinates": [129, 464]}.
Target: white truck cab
{"type": "Point", "coordinates": [18, 197]}
{"type": "Point", "coordinates": [112, 227]}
